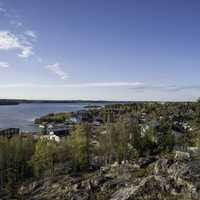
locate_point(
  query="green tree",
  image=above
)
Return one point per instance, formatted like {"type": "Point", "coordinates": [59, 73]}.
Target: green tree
{"type": "Point", "coordinates": [15, 153]}
{"type": "Point", "coordinates": [105, 148]}
{"type": "Point", "coordinates": [44, 158]}
{"type": "Point", "coordinates": [79, 147]}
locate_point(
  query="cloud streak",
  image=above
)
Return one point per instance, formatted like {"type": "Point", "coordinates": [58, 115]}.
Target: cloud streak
{"type": "Point", "coordinates": [169, 88]}
{"type": "Point", "coordinates": [13, 19]}
{"type": "Point", "coordinates": [16, 23]}
{"type": "Point", "coordinates": [76, 85]}
{"type": "Point", "coordinates": [4, 64]}
{"type": "Point", "coordinates": [9, 41]}
{"type": "Point", "coordinates": [31, 34]}
{"type": "Point", "coordinates": [2, 10]}
{"type": "Point", "coordinates": [23, 42]}
{"type": "Point", "coordinates": [56, 69]}
{"type": "Point", "coordinates": [135, 86]}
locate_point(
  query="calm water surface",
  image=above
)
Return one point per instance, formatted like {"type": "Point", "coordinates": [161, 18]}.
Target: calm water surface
{"type": "Point", "coordinates": [22, 115]}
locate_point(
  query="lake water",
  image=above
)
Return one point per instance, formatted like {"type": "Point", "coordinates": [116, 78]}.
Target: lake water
{"type": "Point", "coordinates": [22, 115]}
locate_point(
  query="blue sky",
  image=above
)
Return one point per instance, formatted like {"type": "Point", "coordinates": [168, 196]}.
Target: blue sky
{"type": "Point", "coordinates": [100, 49]}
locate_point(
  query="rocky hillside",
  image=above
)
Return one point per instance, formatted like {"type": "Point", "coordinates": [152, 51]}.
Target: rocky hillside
{"type": "Point", "coordinates": [149, 178]}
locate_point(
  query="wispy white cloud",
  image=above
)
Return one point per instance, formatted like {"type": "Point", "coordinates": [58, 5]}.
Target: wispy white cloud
{"type": "Point", "coordinates": [183, 88]}
{"type": "Point", "coordinates": [31, 34]}
{"type": "Point", "coordinates": [75, 85]}
{"type": "Point", "coordinates": [57, 69]}
{"type": "Point", "coordinates": [4, 64]}
{"type": "Point", "coordinates": [22, 42]}
{"type": "Point", "coordinates": [26, 52]}
{"type": "Point", "coordinates": [16, 23]}
{"type": "Point", "coordinates": [2, 10]}
{"type": "Point", "coordinates": [107, 84]}
{"type": "Point", "coordinates": [136, 86]}
{"type": "Point", "coordinates": [168, 88]}
{"type": "Point", "coordinates": [13, 18]}
{"type": "Point", "coordinates": [9, 41]}
{"type": "Point", "coordinates": [17, 85]}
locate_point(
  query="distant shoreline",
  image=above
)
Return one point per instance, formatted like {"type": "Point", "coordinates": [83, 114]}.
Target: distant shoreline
{"type": "Point", "coordinates": [4, 102]}
{"type": "Point", "coordinates": [7, 102]}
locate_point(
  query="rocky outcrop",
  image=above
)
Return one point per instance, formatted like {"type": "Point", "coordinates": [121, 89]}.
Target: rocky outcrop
{"type": "Point", "coordinates": [152, 187]}
{"type": "Point", "coordinates": [154, 179]}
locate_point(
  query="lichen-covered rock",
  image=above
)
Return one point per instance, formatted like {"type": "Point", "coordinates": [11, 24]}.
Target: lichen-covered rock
{"type": "Point", "coordinates": [182, 156]}
{"type": "Point", "coordinates": [143, 162]}
{"type": "Point", "coordinates": [162, 179]}
{"type": "Point", "coordinates": [152, 187]}
{"type": "Point", "coordinates": [161, 166]}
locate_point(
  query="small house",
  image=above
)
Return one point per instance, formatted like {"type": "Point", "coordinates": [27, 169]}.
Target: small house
{"type": "Point", "coordinates": [58, 133]}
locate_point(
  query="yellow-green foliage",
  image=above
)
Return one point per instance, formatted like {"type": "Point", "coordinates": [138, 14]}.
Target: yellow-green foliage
{"type": "Point", "coordinates": [78, 145]}
{"type": "Point", "coordinates": [44, 157]}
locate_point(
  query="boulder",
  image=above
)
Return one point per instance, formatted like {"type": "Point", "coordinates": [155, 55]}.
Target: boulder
{"type": "Point", "coordinates": [194, 151]}
{"type": "Point", "coordinates": [99, 180]}
{"type": "Point", "coordinates": [143, 162]}
{"type": "Point", "coordinates": [182, 156]}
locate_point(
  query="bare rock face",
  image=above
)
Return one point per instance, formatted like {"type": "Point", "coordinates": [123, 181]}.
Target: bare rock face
{"type": "Point", "coordinates": [187, 175]}
{"type": "Point", "coordinates": [152, 187]}
{"type": "Point", "coordinates": [190, 171]}
{"type": "Point", "coordinates": [161, 166]}
{"type": "Point", "coordinates": [160, 179]}
{"type": "Point", "coordinates": [183, 176]}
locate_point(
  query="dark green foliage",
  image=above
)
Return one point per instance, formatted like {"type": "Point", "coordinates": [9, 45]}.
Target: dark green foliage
{"type": "Point", "coordinates": [59, 117]}
{"type": "Point", "coordinates": [14, 156]}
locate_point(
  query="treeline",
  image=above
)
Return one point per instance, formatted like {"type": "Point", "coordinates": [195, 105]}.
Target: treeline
{"type": "Point", "coordinates": [180, 111]}
{"type": "Point", "coordinates": [85, 149]}
{"type": "Point", "coordinates": [22, 158]}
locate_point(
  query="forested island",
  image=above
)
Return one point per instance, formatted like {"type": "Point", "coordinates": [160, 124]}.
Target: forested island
{"type": "Point", "coordinates": [138, 150]}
